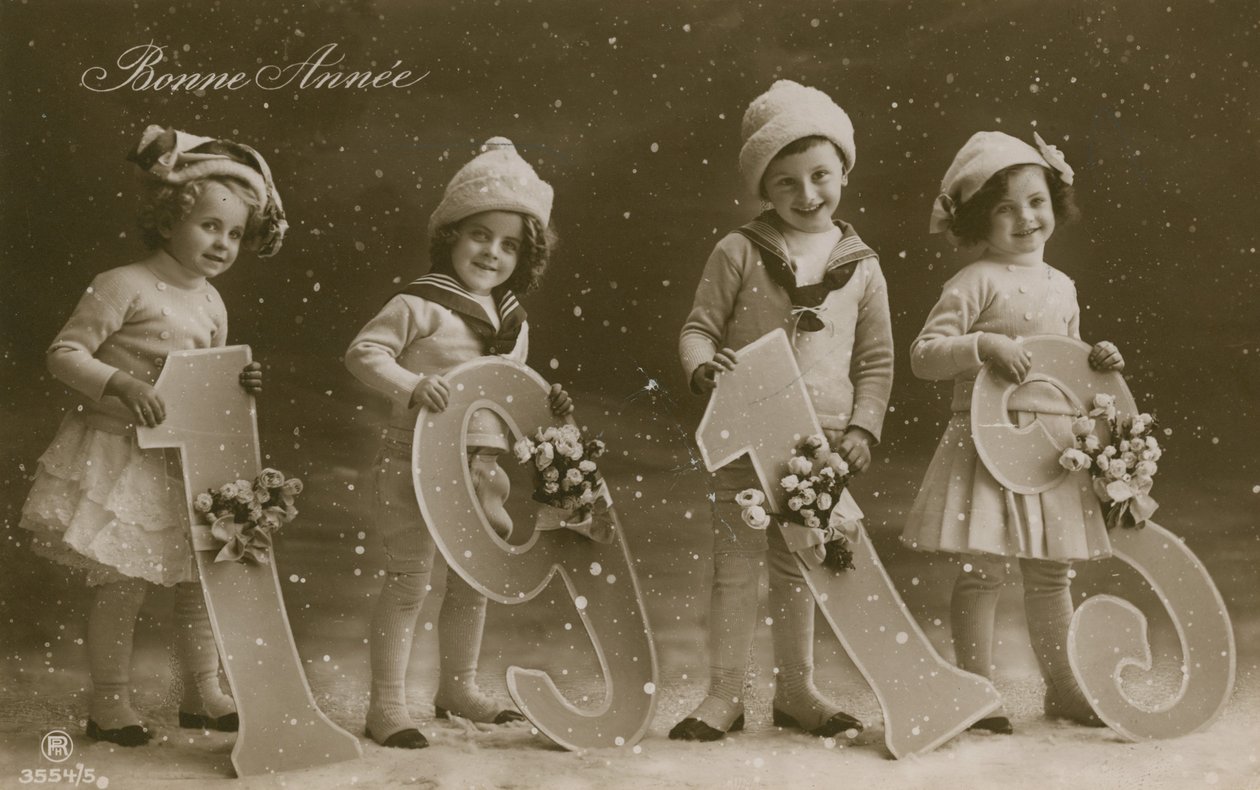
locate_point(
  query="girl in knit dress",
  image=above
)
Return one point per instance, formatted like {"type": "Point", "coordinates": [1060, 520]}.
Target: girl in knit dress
{"type": "Point", "coordinates": [793, 268]}
{"type": "Point", "coordinates": [98, 502]}
{"type": "Point", "coordinates": [1003, 196]}
{"type": "Point", "coordinates": [489, 239]}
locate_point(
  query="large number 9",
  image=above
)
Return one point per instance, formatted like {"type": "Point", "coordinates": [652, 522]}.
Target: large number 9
{"type": "Point", "coordinates": [599, 577]}
{"type": "Point", "coordinates": [1108, 633]}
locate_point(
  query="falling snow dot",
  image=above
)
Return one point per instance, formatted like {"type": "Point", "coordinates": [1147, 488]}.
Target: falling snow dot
{"type": "Point", "coordinates": [293, 578]}
{"type": "Point", "coordinates": [360, 246]}
{"type": "Point", "coordinates": [557, 102]}
{"type": "Point", "coordinates": [649, 688]}
{"type": "Point", "coordinates": [902, 637]}
{"type": "Point", "coordinates": [655, 147]}
{"type": "Point", "coordinates": [554, 364]}
{"type": "Point", "coordinates": [814, 23]}
{"type": "Point", "coordinates": [258, 641]}
{"type": "Point", "coordinates": [914, 730]}
{"type": "Point", "coordinates": [612, 579]}
{"type": "Point", "coordinates": [596, 569]}
{"type": "Point", "coordinates": [637, 749]}
{"type": "Point", "coordinates": [620, 741]}
{"type": "Point", "coordinates": [577, 310]}
{"type": "Point", "coordinates": [726, 434]}
{"type": "Point", "coordinates": [580, 602]}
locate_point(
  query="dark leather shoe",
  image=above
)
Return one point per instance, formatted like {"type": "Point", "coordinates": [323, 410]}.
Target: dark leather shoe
{"type": "Point", "coordinates": [505, 716]}
{"type": "Point", "coordinates": [692, 729]}
{"type": "Point", "coordinates": [403, 739]}
{"type": "Point", "coordinates": [999, 725]}
{"type": "Point", "coordinates": [841, 722]}
{"type": "Point", "coordinates": [131, 735]}
{"type": "Point", "coordinates": [228, 722]}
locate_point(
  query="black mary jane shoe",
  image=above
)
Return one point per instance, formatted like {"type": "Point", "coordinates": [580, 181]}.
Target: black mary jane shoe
{"type": "Point", "coordinates": [998, 725]}
{"type": "Point", "coordinates": [410, 738]}
{"type": "Point", "coordinates": [692, 729]}
{"type": "Point", "coordinates": [840, 722]}
{"type": "Point", "coordinates": [228, 722]}
{"type": "Point", "coordinates": [505, 716]}
{"type": "Point", "coordinates": [131, 735]}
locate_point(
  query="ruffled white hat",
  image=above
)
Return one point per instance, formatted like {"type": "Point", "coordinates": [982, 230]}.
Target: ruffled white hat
{"type": "Point", "coordinates": [178, 157]}
{"type": "Point", "coordinates": [975, 163]}
{"type": "Point", "coordinates": [788, 112]}
{"type": "Point", "coordinates": [497, 179]}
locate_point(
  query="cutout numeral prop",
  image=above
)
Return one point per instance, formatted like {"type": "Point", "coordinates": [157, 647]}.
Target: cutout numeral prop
{"type": "Point", "coordinates": [211, 420]}
{"type": "Point", "coordinates": [1109, 633]}
{"type": "Point", "coordinates": [599, 577]}
{"type": "Point", "coordinates": [761, 408]}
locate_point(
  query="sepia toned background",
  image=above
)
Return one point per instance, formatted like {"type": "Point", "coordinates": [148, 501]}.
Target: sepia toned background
{"type": "Point", "coordinates": [631, 111]}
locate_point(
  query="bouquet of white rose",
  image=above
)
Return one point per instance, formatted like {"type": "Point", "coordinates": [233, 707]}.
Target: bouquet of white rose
{"type": "Point", "coordinates": [565, 473]}
{"type": "Point", "coordinates": [814, 485]}
{"type": "Point", "coordinates": [1123, 470]}
{"type": "Point", "coordinates": [243, 515]}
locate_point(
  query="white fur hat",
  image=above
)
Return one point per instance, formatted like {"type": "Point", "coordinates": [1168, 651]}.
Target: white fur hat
{"type": "Point", "coordinates": [788, 112]}
{"type": "Point", "coordinates": [975, 163]}
{"type": "Point", "coordinates": [497, 179]}
{"type": "Point", "coordinates": [177, 157]}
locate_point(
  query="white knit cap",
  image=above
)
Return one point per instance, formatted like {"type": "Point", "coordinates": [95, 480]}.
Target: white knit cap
{"type": "Point", "coordinates": [983, 155]}
{"type": "Point", "coordinates": [783, 114]}
{"type": "Point", "coordinates": [497, 179]}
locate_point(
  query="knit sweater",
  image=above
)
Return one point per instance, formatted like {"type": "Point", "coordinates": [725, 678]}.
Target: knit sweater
{"type": "Point", "coordinates": [129, 319]}
{"type": "Point", "coordinates": [1006, 299]}
{"type": "Point", "coordinates": [848, 376]}
{"type": "Point", "coordinates": [411, 338]}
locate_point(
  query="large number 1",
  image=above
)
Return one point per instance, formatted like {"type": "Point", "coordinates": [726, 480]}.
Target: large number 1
{"type": "Point", "coordinates": [761, 408]}
{"type": "Point", "coordinates": [210, 419]}
{"type": "Point", "coordinates": [599, 577]}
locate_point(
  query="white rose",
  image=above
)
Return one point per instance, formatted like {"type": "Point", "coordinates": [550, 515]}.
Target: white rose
{"type": "Point", "coordinates": [795, 503]}
{"type": "Point", "coordinates": [799, 465]}
{"type": "Point", "coordinates": [524, 450]}
{"type": "Point", "coordinates": [749, 497]}
{"type": "Point", "coordinates": [824, 501]}
{"type": "Point", "coordinates": [544, 455]}
{"type": "Point", "coordinates": [1083, 426]}
{"type": "Point", "coordinates": [790, 483]}
{"type": "Point", "coordinates": [756, 517]}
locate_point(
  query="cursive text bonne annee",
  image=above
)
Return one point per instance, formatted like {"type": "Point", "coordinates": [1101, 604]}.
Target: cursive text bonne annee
{"type": "Point", "coordinates": [136, 70]}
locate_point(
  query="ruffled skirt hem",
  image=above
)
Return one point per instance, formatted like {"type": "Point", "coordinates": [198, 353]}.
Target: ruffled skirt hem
{"type": "Point", "coordinates": [101, 504]}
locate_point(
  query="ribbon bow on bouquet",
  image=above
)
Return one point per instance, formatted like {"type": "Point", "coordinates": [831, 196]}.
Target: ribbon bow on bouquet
{"type": "Point", "coordinates": [810, 543]}
{"type": "Point", "coordinates": [235, 541]}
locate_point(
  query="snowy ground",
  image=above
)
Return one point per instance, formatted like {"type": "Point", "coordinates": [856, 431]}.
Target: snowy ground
{"type": "Point", "coordinates": [329, 588]}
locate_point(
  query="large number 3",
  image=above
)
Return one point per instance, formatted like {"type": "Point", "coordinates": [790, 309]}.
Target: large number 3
{"type": "Point", "coordinates": [599, 577]}
{"type": "Point", "coordinates": [1108, 633]}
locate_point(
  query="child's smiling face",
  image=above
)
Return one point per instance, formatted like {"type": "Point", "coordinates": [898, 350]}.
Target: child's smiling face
{"type": "Point", "coordinates": [207, 241]}
{"type": "Point", "coordinates": [1023, 220]}
{"type": "Point", "coordinates": [804, 188]}
{"type": "Point", "coordinates": [486, 252]}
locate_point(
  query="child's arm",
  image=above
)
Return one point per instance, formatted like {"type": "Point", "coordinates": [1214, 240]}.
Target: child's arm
{"type": "Point", "coordinates": [871, 367]}
{"type": "Point", "coordinates": [946, 347]}
{"type": "Point", "coordinates": [101, 312]}
{"type": "Point", "coordinates": [699, 343]}
{"type": "Point", "coordinates": [373, 354]}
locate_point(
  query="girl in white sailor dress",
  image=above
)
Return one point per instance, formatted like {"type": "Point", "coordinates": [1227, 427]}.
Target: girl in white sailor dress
{"type": "Point", "coordinates": [1005, 196]}
{"type": "Point", "coordinates": [98, 502]}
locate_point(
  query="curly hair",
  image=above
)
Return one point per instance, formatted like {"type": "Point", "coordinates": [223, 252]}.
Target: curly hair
{"type": "Point", "coordinates": [538, 244]}
{"type": "Point", "coordinates": [972, 220]}
{"type": "Point", "coordinates": [164, 205]}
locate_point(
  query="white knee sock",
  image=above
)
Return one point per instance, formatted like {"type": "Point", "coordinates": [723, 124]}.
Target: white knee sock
{"type": "Point", "coordinates": [460, 626]}
{"type": "Point", "coordinates": [392, 633]}
{"type": "Point", "coordinates": [198, 655]}
{"type": "Point", "coordinates": [732, 624]}
{"type": "Point", "coordinates": [111, 631]}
